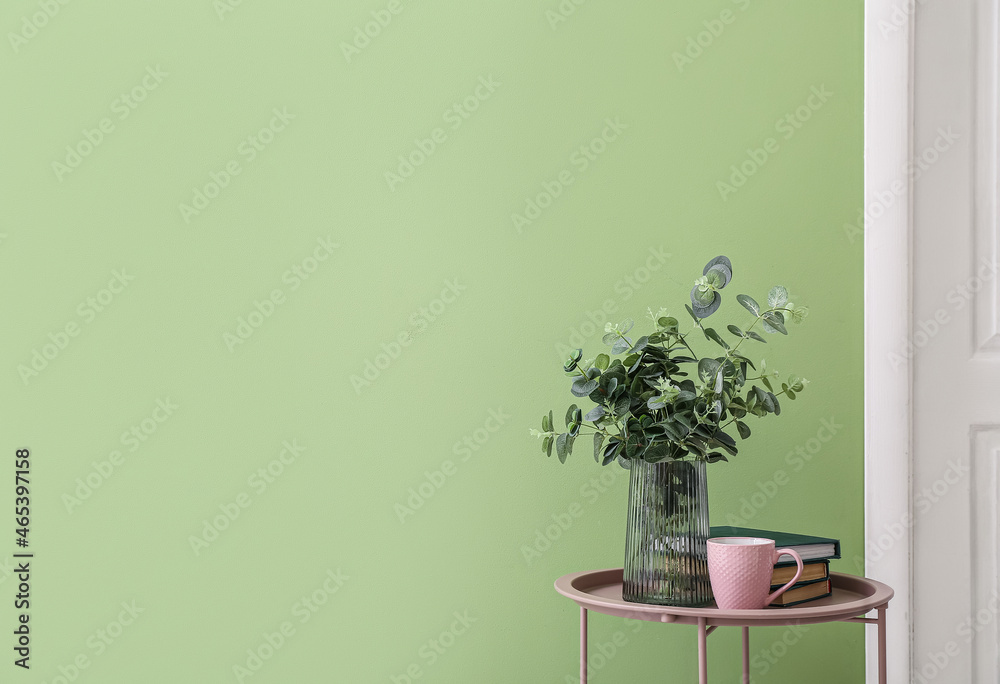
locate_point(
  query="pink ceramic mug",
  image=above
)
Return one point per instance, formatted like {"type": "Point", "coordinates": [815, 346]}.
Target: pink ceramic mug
{"type": "Point", "coordinates": [740, 570]}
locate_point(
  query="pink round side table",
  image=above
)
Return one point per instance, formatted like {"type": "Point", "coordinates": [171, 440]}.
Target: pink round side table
{"type": "Point", "coordinates": [601, 591]}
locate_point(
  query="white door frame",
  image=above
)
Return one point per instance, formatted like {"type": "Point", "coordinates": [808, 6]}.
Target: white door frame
{"type": "Point", "coordinates": [890, 46]}
{"type": "Point", "coordinates": [888, 297]}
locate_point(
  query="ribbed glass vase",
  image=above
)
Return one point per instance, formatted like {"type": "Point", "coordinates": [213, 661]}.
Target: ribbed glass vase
{"type": "Point", "coordinates": [666, 554]}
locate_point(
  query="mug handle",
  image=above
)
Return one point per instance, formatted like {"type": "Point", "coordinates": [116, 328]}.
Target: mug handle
{"type": "Point", "coordinates": [798, 573]}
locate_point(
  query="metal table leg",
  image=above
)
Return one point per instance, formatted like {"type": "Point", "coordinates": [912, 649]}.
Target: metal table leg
{"type": "Point", "coordinates": [746, 655]}
{"type": "Point", "coordinates": [881, 646]}
{"type": "Point", "coordinates": [583, 645]}
{"type": "Point", "coordinates": [702, 650]}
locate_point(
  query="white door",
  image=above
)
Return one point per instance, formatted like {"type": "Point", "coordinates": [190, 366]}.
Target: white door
{"type": "Point", "coordinates": [932, 494]}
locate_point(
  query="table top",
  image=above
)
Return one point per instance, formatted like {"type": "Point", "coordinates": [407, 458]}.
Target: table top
{"type": "Point", "coordinates": [601, 591]}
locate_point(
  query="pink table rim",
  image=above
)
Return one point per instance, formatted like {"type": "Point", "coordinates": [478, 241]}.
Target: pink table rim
{"type": "Point", "coordinates": [573, 586]}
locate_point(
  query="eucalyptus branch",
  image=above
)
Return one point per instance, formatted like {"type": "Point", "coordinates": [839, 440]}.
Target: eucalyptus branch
{"type": "Point", "coordinates": [673, 415]}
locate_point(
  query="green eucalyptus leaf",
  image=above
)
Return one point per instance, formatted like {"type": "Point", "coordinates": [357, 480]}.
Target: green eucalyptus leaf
{"type": "Point", "coordinates": [743, 429]}
{"type": "Point", "coordinates": [735, 331]}
{"type": "Point", "coordinates": [656, 452]}
{"type": "Point", "coordinates": [573, 360]}
{"type": "Point", "coordinates": [634, 365]}
{"type": "Point", "coordinates": [626, 325]}
{"type": "Point", "coordinates": [561, 446]}
{"type": "Point", "coordinates": [622, 405]}
{"type": "Point", "coordinates": [637, 386]}
{"type": "Point", "coordinates": [719, 275]}
{"type": "Point", "coordinates": [702, 298]}
{"type": "Point", "coordinates": [759, 394]}
{"type": "Point", "coordinates": [754, 336]}
{"type": "Point", "coordinates": [749, 304]}
{"type": "Point", "coordinates": [777, 297]}
{"type": "Point", "coordinates": [668, 323]}
{"type": "Point", "coordinates": [714, 336]}
{"type": "Point", "coordinates": [569, 414]}
{"type": "Point", "coordinates": [612, 385]}
{"type": "Point", "coordinates": [595, 414]}
{"type": "Point", "coordinates": [621, 344]}
{"type": "Point", "coordinates": [773, 327]}
{"type": "Point", "coordinates": [598, 445]}
{"type": "Point", "coordinates": [707, 368]}
{"type": "Point", "coordinates": [704, 310]}
{"type": "Point", "coordinates": [724, 439]}
{"type": "Point", "coordinates": [613, 448]}
{"type": "Point", "coordinates": [602, 361]}
{"type": "Point", "coordinates": [719, 261]}
{"type": "Point", "coordinates": [696, 445]}
{"type": "Point", "coordinates": [673, 431]}
{"type": "Point", "coordinates": [773, 322]}
{"type": "Point", "coordinates": [765, 400]}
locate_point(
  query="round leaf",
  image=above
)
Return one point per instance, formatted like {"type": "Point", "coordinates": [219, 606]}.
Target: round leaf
{"type": "Point", "coordinates": [777, 297]}
{"type": "Point", "coordinates": [702, 298]}
{"type": "Point", "coordinates": [719, 260]}
{"type": "Point", "coordinates": [719, 275]}
{"type": "Point", "coordinates": [668, 323]}
{"type": "Point", "coordinates": [697, 311]}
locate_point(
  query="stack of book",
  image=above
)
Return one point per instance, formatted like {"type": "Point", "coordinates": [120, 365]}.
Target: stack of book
{"type": "Point", "coordinates": [815, 552]}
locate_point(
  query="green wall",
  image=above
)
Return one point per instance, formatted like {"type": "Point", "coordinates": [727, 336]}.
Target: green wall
{"type": "Point", "coordinates": [129, 260]}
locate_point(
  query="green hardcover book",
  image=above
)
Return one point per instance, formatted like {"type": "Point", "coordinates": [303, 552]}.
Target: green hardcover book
{"type": "Point", "coordinates": [807, 546]}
